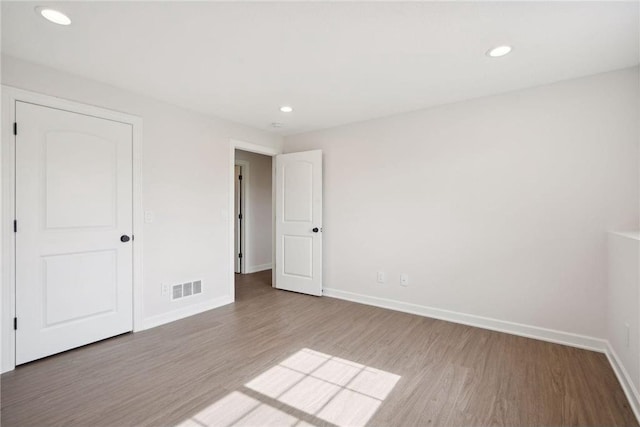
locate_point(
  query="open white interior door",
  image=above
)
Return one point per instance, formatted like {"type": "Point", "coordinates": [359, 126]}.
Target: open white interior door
{"type": "Point", "coordinates": [299, 222]}
{"type": "Point", "coordinates": [74, 259]}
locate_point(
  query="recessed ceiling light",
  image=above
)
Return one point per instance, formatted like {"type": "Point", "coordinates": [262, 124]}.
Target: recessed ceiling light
{"type": "Point", "coordinates": [286, 109]}
{"type": "Point", "coordinates": [499, 51]}
{"type": "Point", "coordinates": [53, 15]}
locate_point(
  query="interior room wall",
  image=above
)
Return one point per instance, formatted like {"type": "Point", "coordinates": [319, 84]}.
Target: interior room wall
{"type": "Point", "coordinates": [186, 174]}
{"type": "Point", "coordinates": [495, 207]}
{"type": "Point", "coordinates": [259, 214]}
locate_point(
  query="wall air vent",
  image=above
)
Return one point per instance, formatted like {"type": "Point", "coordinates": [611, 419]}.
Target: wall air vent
{"type": "Point", "coordinates": [187, 289]}
{"type": "Point", "coordinates": [176, 291]}
{"type": "Point", "coordinates": [197, 287]}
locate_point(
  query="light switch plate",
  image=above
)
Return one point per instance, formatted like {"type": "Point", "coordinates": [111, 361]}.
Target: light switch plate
{"type": "Point", "coordinates": [404, 279]}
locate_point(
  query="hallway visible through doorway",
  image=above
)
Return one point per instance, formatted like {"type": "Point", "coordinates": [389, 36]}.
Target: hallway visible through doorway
{"type": "Point", "coordinates": [253, 212]}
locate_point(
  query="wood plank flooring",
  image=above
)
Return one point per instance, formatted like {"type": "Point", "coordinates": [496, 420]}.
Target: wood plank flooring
{"type": "Point", "coordinates": [248, 363]}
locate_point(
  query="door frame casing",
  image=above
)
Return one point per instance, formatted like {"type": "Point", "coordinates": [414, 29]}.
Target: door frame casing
{"type": "Point", "coordinates": [245, 171]}
{"type": "Point", "coordinates": [259, 149]}
{"type": "Point", "coordinates": [9, 96]}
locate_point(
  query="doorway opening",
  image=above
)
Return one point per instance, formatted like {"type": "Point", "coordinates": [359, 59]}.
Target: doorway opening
{"type": "Point", "coordinates": [241, 267]}
{"type": "Point", "coordinates": [253, 212]}
{"type": "Point", "coordinates": [294, 229]}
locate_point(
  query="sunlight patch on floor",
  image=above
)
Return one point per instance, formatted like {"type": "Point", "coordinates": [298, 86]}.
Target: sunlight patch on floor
{"type": "Point", "coordinates": [327, 388]}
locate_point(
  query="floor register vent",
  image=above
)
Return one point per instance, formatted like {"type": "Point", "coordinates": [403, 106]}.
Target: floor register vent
{"type": "Point", "coordinates": [186, 289]}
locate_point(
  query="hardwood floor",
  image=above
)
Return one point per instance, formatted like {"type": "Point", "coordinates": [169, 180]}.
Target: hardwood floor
{"type": "Point", "coordinates": [283, 358]}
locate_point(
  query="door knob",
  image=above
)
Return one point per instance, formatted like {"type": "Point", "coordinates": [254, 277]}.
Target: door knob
{"type": "Point", "coordinates": [315, 229]}
{"type": "Point", "coordinates": [124, 238]}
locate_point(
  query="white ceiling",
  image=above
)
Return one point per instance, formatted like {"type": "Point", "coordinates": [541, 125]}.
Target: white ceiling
{"type": "Point", "coordinates": [335, 63]}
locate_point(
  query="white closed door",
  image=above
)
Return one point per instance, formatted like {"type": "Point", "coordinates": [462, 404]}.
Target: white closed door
{"type": "Point", "coordinates": [299, 222]}
{"type": "Point", "coordinates": [74, 258]}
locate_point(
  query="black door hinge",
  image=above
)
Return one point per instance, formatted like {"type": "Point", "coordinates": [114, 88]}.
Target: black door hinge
{"type": "Point", "coordinates": [15, 323]}
{"type": "Point", "coordinates": [239, 255]}
{"type": "Point", "coordinates": [240, 177]}
{"type": "Point", "coordinates": [15, 128]}
{"type": "Point", "coordinates": [15, 225]}
{"type": "Point", "coordinates": [240, 216]}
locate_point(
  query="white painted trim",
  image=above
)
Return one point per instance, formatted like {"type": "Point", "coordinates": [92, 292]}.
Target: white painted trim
{"type": "Point", "coordinates": [624, 378]}
{"type": "Point", "coordinates": [259, 267]}
{"type": "Point", "coordinates": [138, 227]}
{"type": "Point", "coordinates": [181, 313]}
{"type": "Point", "coordinates": [274, 264]}
{"type": "Point", "coordinates": [7, 263]}
{"type": "Point", "coordinates": [634, 235]}
{"type": "Point", "coordinates": [535, 332]}
{"type": "Point", "coordinates": [254, 148]}
{"type": "Point", "coordinates": [236, 144]}
{"type": "Point", "coordinates": [246, 201]}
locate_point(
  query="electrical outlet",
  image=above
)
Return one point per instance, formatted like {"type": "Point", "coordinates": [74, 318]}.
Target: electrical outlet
{"type": "Point", "coordinates": [381, 277]}
{"type": "Point", "coordinates": [165, 289]}
{"type": "Point", "coordinates": [404, 279]}
{"type": "Point", "coordinates": [148, 217]}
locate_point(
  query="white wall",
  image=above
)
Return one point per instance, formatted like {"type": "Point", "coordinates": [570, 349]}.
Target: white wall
{"type": "Point", "coordinates": [623, 302]}
{"type": "Point", "coordinates": [185, 183]}
{"type": "Point", "coordinates": [259, 213]}
{"type": "Point", "coordinates": [495, 207]}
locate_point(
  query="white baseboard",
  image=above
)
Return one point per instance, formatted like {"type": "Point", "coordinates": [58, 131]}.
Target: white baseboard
{"type": "Point", "coordinates": [629, 388]}
{"type": "Point", "coordinates": [535, 332]}
{"type": "Point", "coordinates": [256, 268]}
{"type": "Point", "coordinates": [181, 313]}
